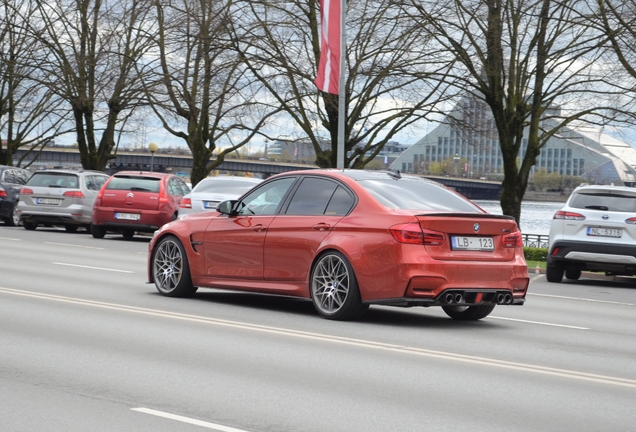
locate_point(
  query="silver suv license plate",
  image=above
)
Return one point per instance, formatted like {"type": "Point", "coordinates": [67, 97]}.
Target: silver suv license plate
{"type": "Point", "coordinates": [604, 232]}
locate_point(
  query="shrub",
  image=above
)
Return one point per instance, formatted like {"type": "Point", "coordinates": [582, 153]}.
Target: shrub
{"type": "Point", "coordinates": [535, 254]}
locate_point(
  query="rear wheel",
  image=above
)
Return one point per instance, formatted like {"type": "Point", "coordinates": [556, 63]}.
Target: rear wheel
{"type": "Point", "coordinates": [334, 288]}
{"type": "Point", "coordinates": [98, 231]}
{"type": "Point", "coordinates": [70, 228]}
{"type": "Point", "coordinates": [170, 269]}
{"type": "Point", "coordinates": [468, 313]}
{"type": "Point", "coordinates": [14, 219]}
{"type": "Point", "coordinates": [554, 273]}
{"type": "Point", "coordinates": [29, 226]}
{"type": "Point", "coordinates": [573, 274]}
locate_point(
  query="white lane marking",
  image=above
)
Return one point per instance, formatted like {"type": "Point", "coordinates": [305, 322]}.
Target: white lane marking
{"type": "Point", "coordinates": [536, 277]}
{"type": "Point", "coordinates": [75, 246]}
{"type": "Point", "coordinates": [423, 352]}
{"type": "Point", "coordinates": [9, 238]}
{"type": "Point", "coordinates": [92, 268]}
{"type": "Point", "coordinates": [188, 420]}
{"type": "Point", "coordinates": [539, 323]}
{"type": "Point", "coordinates": [581, 299]}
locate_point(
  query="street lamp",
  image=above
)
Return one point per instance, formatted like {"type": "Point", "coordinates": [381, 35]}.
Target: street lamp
{"type": "Point", "coordinates": [153, 147]}
{"type": "Point", "coordinates": [455, 162]}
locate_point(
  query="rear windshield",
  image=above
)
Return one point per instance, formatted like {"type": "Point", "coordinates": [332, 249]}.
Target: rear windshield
{"type": "Point", "coordinates": [238, 187]}
{"type": "Point", "coordinates": [604, 201]}
{"type": "Point", "coordinates": [415, 194]}
{"type": "Point", "coordinates": [143, 184]}
{"type": "Point", "coordinates": [54, 180]}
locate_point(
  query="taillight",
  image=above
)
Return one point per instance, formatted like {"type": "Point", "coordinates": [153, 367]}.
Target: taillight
{"type": "Point", "coordinates": [630, 221]}
{"type": "Point", "coordinates": [3, 193]}
{"type": "Point", "coordinates": [26, 191]}
{"type": "Point", "coordinates": [568, 215]}
{"type": "Point", "coordinates": [186, 203]}
{"type": "Point", "coordinates": [413, 233]}
{"type": "Point", "coordinates": [74, 194]}
{"type": "Point", "coordinates": [512, 240]}
{"type": "Point", "coordinates": [163, 198]}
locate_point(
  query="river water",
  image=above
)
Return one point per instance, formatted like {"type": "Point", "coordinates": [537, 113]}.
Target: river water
{"type": "Point", "coordinates": [536, 217]}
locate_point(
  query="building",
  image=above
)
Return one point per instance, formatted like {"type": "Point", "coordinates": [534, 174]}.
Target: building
{"type": "Point", "coordinates": [469, 139]}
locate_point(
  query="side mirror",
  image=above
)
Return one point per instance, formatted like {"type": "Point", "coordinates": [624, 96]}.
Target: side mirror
{"type": "Point", "coordinates": [227, 207]}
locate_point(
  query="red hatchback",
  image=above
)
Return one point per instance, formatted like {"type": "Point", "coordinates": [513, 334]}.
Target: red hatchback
{"type": "Point", "coordinates": [133, 201]}
{"type": "Point", "coordinates": [347, 239]}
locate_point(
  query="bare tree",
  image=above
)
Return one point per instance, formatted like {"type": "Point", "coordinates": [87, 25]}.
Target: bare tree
{"type": "Point", "coordinates": [91, 52]}
{"type": "Point", "coordinates": [618, 20]}
{"type": "Point", "coordinates": [385, 89]}
{"type": "Point", "coordinates": [200, 91]}
{"type": "Point", "coordinates": [30, 115]}
{"type": "Point", "coordinates": [538, 65]}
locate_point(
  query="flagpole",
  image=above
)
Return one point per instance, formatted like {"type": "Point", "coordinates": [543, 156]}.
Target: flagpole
{"type": "Point", "coordinates": [340, 159]}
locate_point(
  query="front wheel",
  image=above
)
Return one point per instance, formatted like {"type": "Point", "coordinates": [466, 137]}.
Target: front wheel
{"type": "Point", "coordinates": [334, 288]}
{"type": "Point", "coordinates": [70, 228]}
{"type": "Point", "coordinates": [170, 269]}
{"type": "Point", "coordinates": [573, 274]}
{"type": "Point", "coordinates": [29, 226]}
{"type": "Point", "coordinates": [468, 313]}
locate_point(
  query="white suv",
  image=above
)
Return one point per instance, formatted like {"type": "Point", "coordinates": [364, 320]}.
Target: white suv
{"type": "Point", "coordinates": [594, 231]}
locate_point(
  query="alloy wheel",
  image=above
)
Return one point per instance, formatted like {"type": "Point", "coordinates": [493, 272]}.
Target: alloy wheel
{"type": "Point", "coordinates": [330, 284]}
{"type": "Point", "coordinates": [168, 265]}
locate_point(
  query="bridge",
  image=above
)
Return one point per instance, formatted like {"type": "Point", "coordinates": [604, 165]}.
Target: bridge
{"type": "Point", "coordinates": [69, 158]}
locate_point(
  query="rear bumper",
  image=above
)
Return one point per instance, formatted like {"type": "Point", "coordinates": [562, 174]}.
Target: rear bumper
{"type": "Point", "coordinates": [149, 220]}
{"type": "Point", "coordinates": [74, 216]}
{"type": "Point", "coordinates": [457, 297]}
{"type": "Point", "coordinates": [607, 257]}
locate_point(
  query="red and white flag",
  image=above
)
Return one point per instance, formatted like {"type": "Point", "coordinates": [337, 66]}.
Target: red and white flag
{"type": "Point", "coordinates": [329, 65]}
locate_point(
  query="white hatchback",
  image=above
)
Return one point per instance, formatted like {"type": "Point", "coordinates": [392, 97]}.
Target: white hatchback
{"type": "Point", "coordinates": [210, 191]}
{"type": "Point", "coordinates": [594, 231]}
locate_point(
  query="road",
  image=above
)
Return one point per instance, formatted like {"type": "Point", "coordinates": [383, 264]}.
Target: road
{"type": "Point", "coordinates": [87, 345]}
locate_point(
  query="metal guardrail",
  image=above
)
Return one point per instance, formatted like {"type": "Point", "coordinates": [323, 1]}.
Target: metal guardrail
{"type": "Point", "coordinates": [536, 240]}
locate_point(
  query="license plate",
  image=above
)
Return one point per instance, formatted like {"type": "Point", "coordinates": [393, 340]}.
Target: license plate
{"type": "Point", "coordinates": [210, 204]}
{"type": "Point", "coordinates": [49, 201]}
{"type": "Point", "coordinates": [605, 232]}
{"type": "Point", "coordinates": [127, 216]}
{"type": "Point", "coordinates": [472, 243]}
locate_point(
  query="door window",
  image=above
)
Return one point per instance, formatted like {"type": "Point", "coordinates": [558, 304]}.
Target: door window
{"type": "Point", "coordinates": [312, 197]}
{"type": "Point", "coordinates": [266, 199]}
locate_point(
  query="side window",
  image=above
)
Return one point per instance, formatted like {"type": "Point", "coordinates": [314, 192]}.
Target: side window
{"type": "Point", "coordinates": [9, 177]}
{"type": "Point", "coordinates": [95, 182]}
{"type": "Point", "coordinates": [173, 187]}
{"type": "Point", "coordinates": [184, 187]}
{"type": "Point", "coordinates": [266, 199]}
{"type": "Point", "coordinates": [311, 197]}
{"type": "Point", "coordinates": [341, 202]}
{"type": "Point", "coordinates": [23, 177]}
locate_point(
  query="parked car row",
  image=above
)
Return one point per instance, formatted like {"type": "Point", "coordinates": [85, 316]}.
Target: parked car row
{"type": "Point", "coordinates": [127, 202]}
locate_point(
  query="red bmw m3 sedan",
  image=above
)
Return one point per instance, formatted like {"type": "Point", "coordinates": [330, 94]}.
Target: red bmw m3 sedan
{"type": "Point", "coordinates": [347, 239]}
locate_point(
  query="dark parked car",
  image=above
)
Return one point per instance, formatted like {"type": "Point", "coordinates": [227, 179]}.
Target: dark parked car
{"type": "Point", "coordinates": [60, 197]}
{"type": "Point", "coordinates": [347, 239]}
{"type": "Point", "coordinates": [139, 201]}
{"type": "Point", "coordinates": [11, 181]}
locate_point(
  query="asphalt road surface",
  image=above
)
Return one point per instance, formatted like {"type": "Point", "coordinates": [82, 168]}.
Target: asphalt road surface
{"type": "Point", "coordinates": [87, 345]}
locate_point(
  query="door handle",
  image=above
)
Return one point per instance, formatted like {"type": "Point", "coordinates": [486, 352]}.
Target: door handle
{"type": "Point", "coordinates": [321, 227]}
{"type": "Point", "coordinates": [258, 228]}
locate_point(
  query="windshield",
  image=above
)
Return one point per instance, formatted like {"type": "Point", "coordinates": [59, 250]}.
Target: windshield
{"type": "Point", "coordinates": [143, 184]}
{"type": "Point", "coordinates": [416, 194]}
{"type": "Point", "coordinates": [604, 201]}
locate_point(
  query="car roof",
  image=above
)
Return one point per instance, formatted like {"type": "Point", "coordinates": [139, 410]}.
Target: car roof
{"type": "Point", "coordinates": [63, 171]}
{"type": "Point", "coordinates": [604, 188]}
{"type": "Point", "coordinates": [143, 174]}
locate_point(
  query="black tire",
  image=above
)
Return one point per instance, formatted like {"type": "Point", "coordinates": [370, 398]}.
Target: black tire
{"type": "Point", "coordinates": [572, 274]}
{"type": "Point", "coordinates": [468, 313]}
{"type": "Point", "coordinates": [98, 231]}
{"type": "Point", "coordinates": [554, 273]}
{"type": "Point", "coordinates": [170, 269]}
{"type": "Point", "coordinates": [128, 233]}
{"type": "Point", "coordinates": [70, 228]}
{"type": "Point", "coordinates": [14, 219]}
{"type": "Point", "coordinates": [29, 226]}
{"type": "Point", "coordinates": [334, 288]}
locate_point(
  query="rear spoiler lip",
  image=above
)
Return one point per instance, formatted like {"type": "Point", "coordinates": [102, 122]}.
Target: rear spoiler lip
{"type": "Point", "coordinates": [468, 215]}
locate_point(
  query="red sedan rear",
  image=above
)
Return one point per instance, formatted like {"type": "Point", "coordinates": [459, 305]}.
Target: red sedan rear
{"type": "Point", "coordinates": [348, 239]}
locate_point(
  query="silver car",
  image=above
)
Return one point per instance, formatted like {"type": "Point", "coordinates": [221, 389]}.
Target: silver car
{"type": "Point", "coordinates": [209, 192]}
{"type": "Point", "coordinates": [60, 197]}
